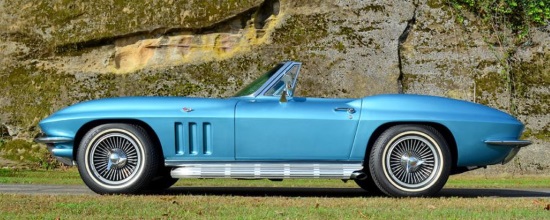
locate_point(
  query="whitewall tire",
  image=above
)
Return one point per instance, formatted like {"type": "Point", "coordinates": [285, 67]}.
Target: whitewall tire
{"type": "Point", "coordinates": [117, 159]}
{"type": "Point", "coordinates": [410, 160]}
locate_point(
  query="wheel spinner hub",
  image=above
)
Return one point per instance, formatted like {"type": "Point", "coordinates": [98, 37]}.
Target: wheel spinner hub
{"type": "Point", "coordinates": [411, 162]}
{"type": "Point", "coordinates": [117, 159]}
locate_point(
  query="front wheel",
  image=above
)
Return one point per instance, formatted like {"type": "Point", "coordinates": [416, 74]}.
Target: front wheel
{"type": "Point", "coordinates": [117, 159]}
{"type": "Point", "coordinates": [410, 160]}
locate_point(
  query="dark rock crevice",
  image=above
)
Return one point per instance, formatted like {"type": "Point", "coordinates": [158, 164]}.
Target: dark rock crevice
{"type": "Point", "coordinates": [266, 10]}
{"type": "Point", "coordinates": [4, 132]}
{"type": "Point", "coordinates": [402, 39]}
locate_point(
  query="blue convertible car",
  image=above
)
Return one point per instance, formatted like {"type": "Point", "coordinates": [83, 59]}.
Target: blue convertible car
{"type": "Point", "coordinates": [398, 145]}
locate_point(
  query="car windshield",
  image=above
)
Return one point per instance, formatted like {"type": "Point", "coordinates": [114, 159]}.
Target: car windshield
{"type": "Point", "coordinates": [252, 87]}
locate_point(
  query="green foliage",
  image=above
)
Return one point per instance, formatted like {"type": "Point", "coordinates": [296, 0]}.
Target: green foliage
{"type": "Point", "coordinates": [23, 175]}
{"type": "Point", "coordinates": [518, 13]}
{"type": "Point", "coordinates": [27, 152]}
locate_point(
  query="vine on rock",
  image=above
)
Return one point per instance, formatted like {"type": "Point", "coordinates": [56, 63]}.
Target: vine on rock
{"type": "Point", "coordinates": [518, 14]}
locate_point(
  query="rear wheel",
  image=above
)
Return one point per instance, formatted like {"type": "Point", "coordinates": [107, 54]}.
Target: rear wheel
{"type": "Point", "coordinates": [117, 159]}
{"type": "Point", "coordinates": [410, 160]}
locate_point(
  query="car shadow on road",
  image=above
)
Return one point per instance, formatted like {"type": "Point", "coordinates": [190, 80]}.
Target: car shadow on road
{"type": "Point", "coordinates": [343, 192]}
{"type": "Point", "coordinates": [503, 193]}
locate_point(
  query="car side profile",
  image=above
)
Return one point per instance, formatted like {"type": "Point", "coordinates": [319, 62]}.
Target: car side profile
{"type": "Point", "coordinates": [395, 144]}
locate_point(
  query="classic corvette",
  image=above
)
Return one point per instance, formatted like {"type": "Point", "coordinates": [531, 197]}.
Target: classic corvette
{"type": "Point", "coordinates": [398, 145]}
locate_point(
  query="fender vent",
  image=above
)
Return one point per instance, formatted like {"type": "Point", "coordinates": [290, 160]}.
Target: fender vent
{"type": "Point", "coordinates": [193, 138]}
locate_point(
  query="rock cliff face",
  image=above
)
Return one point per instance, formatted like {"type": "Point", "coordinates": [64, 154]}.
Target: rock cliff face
{"type": "Point", "coordinates": [473, 62]}
{"type": "Point", "coordinates": [56, 53]}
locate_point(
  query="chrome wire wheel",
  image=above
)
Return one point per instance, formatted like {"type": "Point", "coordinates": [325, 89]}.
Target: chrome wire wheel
{"type": "Point", "coordinates": [115, 158]}
{"type": "Point", "coordinates": [412, 161]}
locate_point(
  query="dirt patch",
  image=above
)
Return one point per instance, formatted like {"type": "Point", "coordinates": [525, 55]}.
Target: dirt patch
{"type": "Point", "coordinates": [5, 163]}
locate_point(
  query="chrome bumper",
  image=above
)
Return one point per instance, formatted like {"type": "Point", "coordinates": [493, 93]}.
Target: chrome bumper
{"type": "Point", "coordinates": [52, 140]}
{"type": "Point", "coordinates": [516, 144]}
{"type": "Point", "coordinates": [511, 143]}
{"type": "Point", "coordinates": [50, 143]}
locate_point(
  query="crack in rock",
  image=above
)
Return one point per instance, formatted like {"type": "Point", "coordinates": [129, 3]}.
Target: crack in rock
{"type": "Point", "coordinates": [402, 39]}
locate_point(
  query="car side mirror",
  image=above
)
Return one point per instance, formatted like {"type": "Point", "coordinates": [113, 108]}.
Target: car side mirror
{"type": "Point", "coordinates": [287, 79]}
{"type": "Point", "coordinates": [283, 98]}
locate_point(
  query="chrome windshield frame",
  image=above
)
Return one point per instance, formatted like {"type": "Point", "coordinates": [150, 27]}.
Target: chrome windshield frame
{"type": "Point", "coordinates": [274, 79]}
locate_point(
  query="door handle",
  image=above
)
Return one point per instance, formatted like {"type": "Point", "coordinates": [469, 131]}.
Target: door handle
{"type": "Point", "coordinates": [341, 109]}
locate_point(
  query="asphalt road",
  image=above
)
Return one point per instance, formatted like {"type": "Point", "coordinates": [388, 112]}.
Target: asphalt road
{"type": "Point", "coordinates": [272, 191]}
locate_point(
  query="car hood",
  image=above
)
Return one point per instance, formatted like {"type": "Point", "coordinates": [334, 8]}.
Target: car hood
{"type": "Point", "coordinates": [123, 107]}
{"type": "Point", "coordinates": [132, 103]}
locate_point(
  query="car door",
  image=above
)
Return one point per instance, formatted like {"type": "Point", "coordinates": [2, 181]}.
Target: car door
{"type": "Point", "coordinates": [301, 129]}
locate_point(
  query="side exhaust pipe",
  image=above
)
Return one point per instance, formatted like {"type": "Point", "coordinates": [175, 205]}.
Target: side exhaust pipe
{"type": "Point", "coordinates": [358, 175]}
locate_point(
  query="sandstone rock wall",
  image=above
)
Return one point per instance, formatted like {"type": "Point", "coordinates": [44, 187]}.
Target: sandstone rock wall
{"type": "Point", "coordinates": [56, 53]}
{"type": "Point", "coordinates": [478, 63]}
